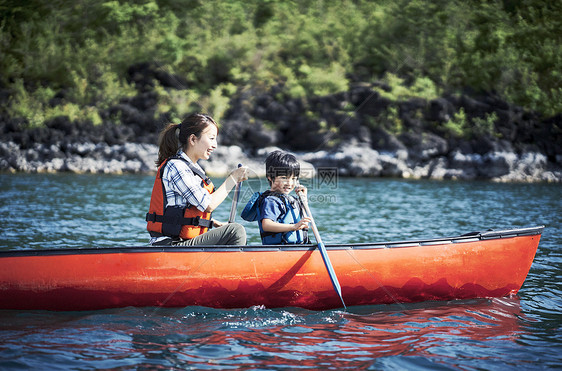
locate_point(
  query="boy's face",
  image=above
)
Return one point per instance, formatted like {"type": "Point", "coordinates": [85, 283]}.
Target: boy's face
{"type": "Point", "coordinates": [284, 183]}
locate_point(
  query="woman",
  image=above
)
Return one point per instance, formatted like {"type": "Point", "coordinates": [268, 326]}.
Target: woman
{"type": "Point", "coordinates": [183, 197]}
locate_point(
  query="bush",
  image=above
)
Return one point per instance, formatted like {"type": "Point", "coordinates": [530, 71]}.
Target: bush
{"type": "Point", "coordinates": [421, 87]}
{"type": "Point", "coordinates": [419, 47]}
{"type": "Point", "coordinates": [460, 126]}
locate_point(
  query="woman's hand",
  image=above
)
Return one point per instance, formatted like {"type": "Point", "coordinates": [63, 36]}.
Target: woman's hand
{"type": "Point", "coordinates": [217, 224]}
{"type": "Point", "coordinates": [240, 174]}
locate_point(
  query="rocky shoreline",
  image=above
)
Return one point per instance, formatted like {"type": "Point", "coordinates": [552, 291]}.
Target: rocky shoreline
{"type": "Point", "coordinates": [353, 160]}
{"type": "Point", "coordinates": [348, 132]}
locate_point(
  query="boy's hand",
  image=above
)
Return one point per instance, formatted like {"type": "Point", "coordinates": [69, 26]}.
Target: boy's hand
{"type": "Point", "coordinates": [301, 188]}
{"type": "Point", "coordinates": [302, 224]}
{"type": "Point", "coordinates": [217, 224]}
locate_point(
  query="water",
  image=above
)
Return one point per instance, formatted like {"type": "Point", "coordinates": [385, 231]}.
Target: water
{"type": "Point", "coordinates": [65, 210]}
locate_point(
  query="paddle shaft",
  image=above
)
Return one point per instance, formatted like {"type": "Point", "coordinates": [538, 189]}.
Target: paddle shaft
{"type": "Point", "coordinates": [232, 216]}
{"type": "Point", "coordinates": [322, 249]}
{"type": "Point", "coordinates": [312, 223]}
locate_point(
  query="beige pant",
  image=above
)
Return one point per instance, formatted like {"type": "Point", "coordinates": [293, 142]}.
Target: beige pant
{"type": "Point", "coordinates": [228, 234]}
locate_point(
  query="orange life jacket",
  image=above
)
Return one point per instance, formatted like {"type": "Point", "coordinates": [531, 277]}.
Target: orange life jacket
{"type": "Point", "coordinates": [184, 222]}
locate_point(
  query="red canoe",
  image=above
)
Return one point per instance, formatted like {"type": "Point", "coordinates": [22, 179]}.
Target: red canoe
{"type": "Point", "coordinates": [486, 264]}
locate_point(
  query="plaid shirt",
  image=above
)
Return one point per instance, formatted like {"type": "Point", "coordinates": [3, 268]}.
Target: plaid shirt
{"type": "Point", "coordinates": [182, 186]}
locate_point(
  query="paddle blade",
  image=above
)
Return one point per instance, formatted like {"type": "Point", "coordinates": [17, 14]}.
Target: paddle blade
{"type": "Point", "coordinates": [331, 272]}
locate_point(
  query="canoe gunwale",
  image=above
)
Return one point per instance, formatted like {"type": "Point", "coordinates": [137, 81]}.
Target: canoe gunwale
{"type": "Point", "coordinates": [469, 237]}
{"type": "Point", "coordinates": [477, 264]}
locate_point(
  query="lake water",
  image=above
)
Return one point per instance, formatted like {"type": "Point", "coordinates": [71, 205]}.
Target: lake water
{"type": "Point", "coordinates": [68, 210]}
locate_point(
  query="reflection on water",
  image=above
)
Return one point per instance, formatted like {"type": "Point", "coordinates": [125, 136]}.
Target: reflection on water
{"type": "Point", "coordinates": [437, 333]}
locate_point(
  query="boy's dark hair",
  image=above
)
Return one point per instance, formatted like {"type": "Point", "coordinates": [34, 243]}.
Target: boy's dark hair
{"type": "Point", "coordinates": [279, 163]}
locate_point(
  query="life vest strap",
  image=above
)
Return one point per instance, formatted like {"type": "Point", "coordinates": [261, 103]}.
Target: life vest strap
{"type": "Point", "coordinates": [195, 221]}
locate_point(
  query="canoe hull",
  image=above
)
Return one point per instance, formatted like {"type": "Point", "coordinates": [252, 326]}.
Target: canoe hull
{"type": "Point", "coordinates": [219, 277]}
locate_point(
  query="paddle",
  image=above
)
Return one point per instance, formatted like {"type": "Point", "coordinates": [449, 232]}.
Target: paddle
{"type": "Point", "coordinates": [235, 201]}
{"type": "Point", "coordinates": [322, 248]}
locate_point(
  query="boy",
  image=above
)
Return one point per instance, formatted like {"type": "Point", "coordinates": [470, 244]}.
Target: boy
{"type": "Point", "coordinates": [280, 217]}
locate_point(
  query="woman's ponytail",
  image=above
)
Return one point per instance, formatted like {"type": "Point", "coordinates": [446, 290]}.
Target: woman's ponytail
{"type": "Point", "coordinates": [168, 143]}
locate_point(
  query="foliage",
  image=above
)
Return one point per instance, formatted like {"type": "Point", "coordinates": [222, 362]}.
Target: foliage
{"type": "Point", "coordinates": [461, 126]}
{"type": "Point", "coordinates": [36, 107]}
{"type": "Point", "coordinates": [398, 90]}
{"type": "Point", "coordinates": [484, 126]}
{"type": "Point", "coordinates": [419, 48]}
{"type": "Point", "coordinates": [457, 126]}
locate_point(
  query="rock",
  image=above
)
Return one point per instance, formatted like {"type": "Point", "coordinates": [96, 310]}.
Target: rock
{"type": "Point", "coordinates": [79, 158]}
{"type": "Point", "coordinates": [527, 168]}
{"type": "Point", "coordinates": [367, 101]}
{"type": "Point", "coordinates": [144, 75]}
{"type": "Point", "coordinates": [250, 136]}
{"type": "Point", "coordinates": [225, 159]}
{"type": "Point", "coordinates": [487, 144]}
{"type": "Point", "coordinates": [358, 161]}
{"type": "Point", "coordinates": [497, 164]}
{"type": "Point", "coordinates": [440, 110]}
{"type": "Point", "coordinates": [262, 136]}
{"type": "Point", "coordinates": [306, 135]}
{"type": "Point", "coordinates": [473, 107]}
{"type": "Point", "coordinates": [394, 165]}
{"type": "Point", "coordinates": [384, 141]}
{"type": "Point", "coordinates": [425, 146]}
{"type": "Point", "coordinates": [232, 132]}
{"type": "Point", "coordinates": [343, 131]}
{"type": "Point", "coordinates": [438, 170]}
{"type": "Point", "coordinates": [467, 163]}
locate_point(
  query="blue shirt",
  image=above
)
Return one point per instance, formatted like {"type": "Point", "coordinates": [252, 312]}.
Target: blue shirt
{"type": "Point", "coordinates": [272, 208]}
{"type": "Point", "coordinates": [276, 209]}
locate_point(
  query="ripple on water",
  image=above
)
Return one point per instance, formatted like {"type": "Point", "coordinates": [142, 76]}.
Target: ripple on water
{"type": "Point", "coordinates": [68, 210]}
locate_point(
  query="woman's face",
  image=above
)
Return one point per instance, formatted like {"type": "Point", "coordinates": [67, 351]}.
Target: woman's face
{"type": "Point", "coordinates": [202, 147]}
